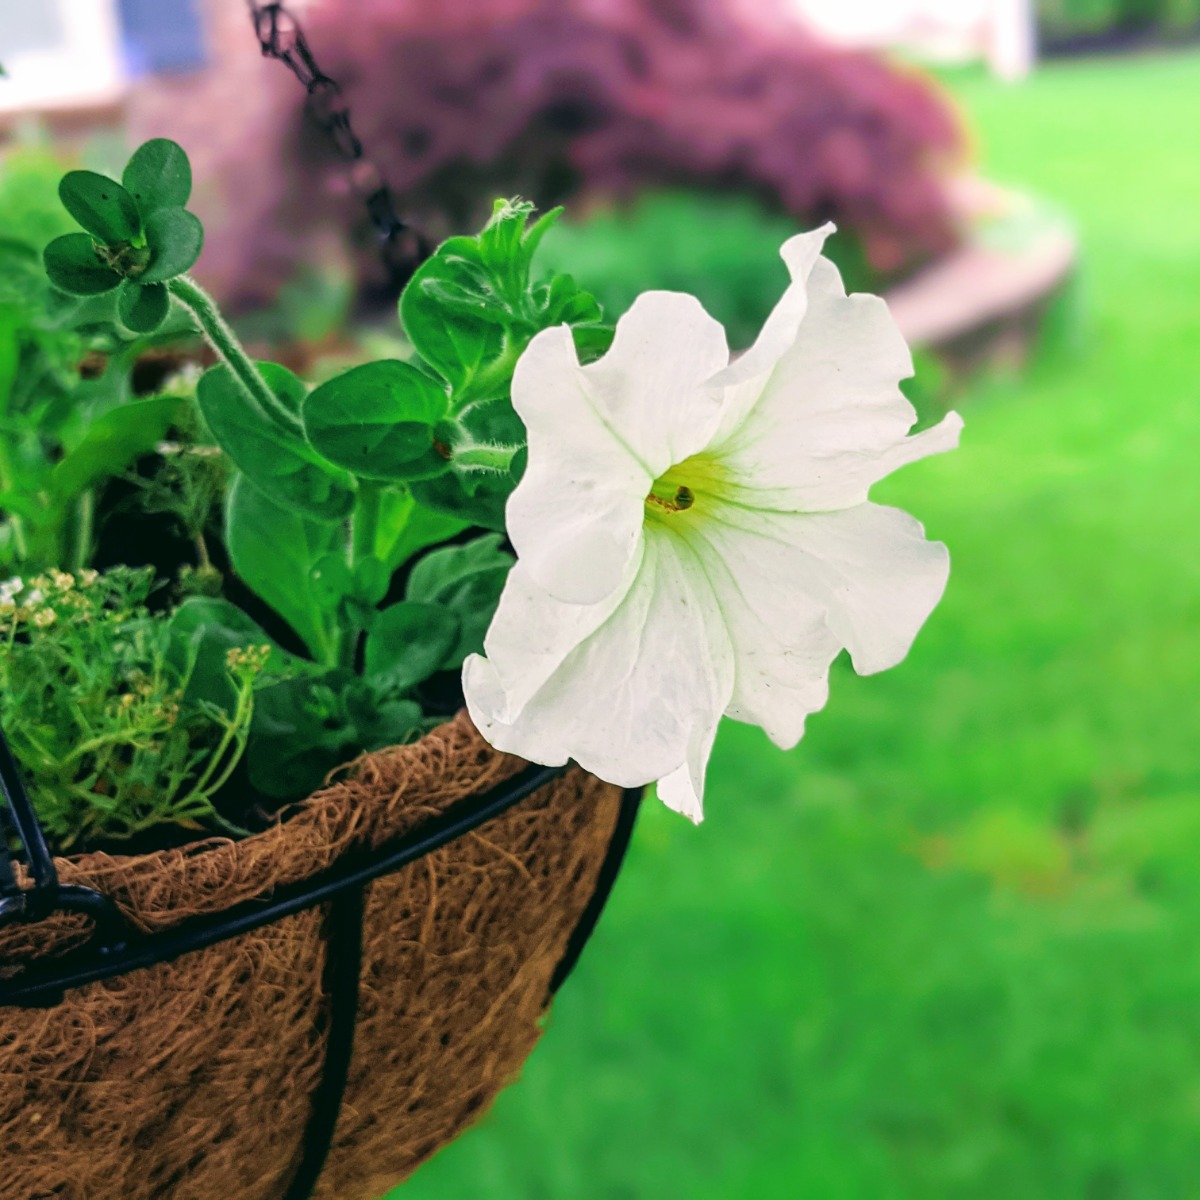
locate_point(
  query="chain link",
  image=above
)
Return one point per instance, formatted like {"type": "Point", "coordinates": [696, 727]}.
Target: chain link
{"type": "Point", "coordinates": [402, 248]}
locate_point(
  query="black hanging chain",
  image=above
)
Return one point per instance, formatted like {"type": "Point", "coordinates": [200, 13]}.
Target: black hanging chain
{"type": "Point", "coordinates": [402, 247]}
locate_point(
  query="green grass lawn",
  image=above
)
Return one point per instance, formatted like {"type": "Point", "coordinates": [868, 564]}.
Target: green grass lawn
{"type": "Point", "coordinates": [950, 946]}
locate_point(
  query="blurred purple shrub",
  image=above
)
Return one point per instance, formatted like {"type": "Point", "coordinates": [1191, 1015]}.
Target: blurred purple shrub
{"type": "Point", "coordinates": [462, 100]}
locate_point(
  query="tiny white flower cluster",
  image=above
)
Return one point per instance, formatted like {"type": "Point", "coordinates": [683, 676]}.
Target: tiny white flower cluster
{"type": "Point", "coordinates": [34, 600]}
{"type": "Point", "coordinates": [694, 536]}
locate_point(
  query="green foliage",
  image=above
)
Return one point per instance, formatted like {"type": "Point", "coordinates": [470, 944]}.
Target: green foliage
{"type": "Point", "coordinates": [268, 447]}
{"type": "Point", "coordinates": [340, 485]}
{"type": "Point", "coordinates": [409, 642]}
{"type": "Point", "coordinates": [174, 238]}
{"type": "Point", "coordinates": [61, 436]}
{"type": "Point", "coordinates": [333, 490]}
{"type": "Point", "coordinates": [102, 206]}
{"type": "Point", "coordinates": [307, 727]}
{"type": "Point", "coordinates": [275, 551]}
{"type": "Point", "coordinates": [380, 421]}
{"type": "Point", "coordinates": [465, 581]}
{"type": "Point", "coordinates": [98, 700]}
{"type": "Point", "coordinates": [73, 265]}
{"type": "Point", "coordinates": [138, 234]}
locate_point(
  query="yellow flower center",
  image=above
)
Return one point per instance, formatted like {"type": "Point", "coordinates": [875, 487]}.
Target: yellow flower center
{"type": "Point", "coordinates": [685, 487]}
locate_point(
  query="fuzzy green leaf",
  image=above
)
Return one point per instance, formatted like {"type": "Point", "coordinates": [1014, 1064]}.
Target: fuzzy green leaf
{"type": "Point", "coordinates": [101, 205]}
{"type": "Point", "coordinates": [378, 421]}
{"type": "Point", "coordinates": [274, 550]}
{"type": "Point", "coordinates": [72, 264]}
{"type": "Point", "coordinates": [406, 527]}
{"type": "Point", "coordinates": [175, 238]}
{"type": "Point", "coordinates": [142, 307]}
{"type": "Point", "coordinates": [203, 629]}
{"type": "Point", "coordinates": [274, 457]}
{"type": "Point", "coordinates": [456, 344]}
{"type": "Point", "coordinates": [111, 443]}
{"type": "Point", "coordinates": [332, 581]}
{"type": "Point", "coordinates": [466, 580]}
{"type": "Point", "coordinates": [158, 175]}
{"type": "Point", "coordinates": [301, 731]}
{"type": "Point", "coordinates": [409, 642]}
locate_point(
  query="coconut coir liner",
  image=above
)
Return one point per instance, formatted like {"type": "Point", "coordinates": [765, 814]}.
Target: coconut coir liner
{"type": "Point", "coordinates": [194, 1079]}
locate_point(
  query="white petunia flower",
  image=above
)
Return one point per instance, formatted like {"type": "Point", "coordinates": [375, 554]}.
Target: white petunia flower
{"type": "Point", "coordinates": [694, 538]}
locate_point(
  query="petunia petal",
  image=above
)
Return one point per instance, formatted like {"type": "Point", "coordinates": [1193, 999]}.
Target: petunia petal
{"type": "Point", "coordinates": [830, 419]}
{"type": "Point", "coordinates": [683, 789]}
{"type": "Point", "coordinates": [575, 518]}
{"type": "Point", "coordinates": [633, 699]}
{"type": "Point", "coordinates": [800, 253]}
{"type": "Point", "coordinates": [652, 385]}
{"type": "Point", "coordinates": [783, 645]}
{"type": "Point", "coordinates": [869, 570]}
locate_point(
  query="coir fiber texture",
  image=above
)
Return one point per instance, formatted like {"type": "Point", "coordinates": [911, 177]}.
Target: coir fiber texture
{"type": "Point", "coordinates": [194, 1079]}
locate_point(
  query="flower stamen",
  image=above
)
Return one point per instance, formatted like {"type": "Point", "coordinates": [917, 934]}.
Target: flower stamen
{"type": "Point", "coordinates": [672, 499]}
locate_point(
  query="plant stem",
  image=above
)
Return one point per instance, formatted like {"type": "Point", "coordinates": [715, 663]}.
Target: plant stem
{"type": "Point", "coordinates": [8, 484]}
{"type": "Point", "coordinates": [365, 521]}
{"type": "Point", "coordinates": [81, 534]}
{"type": "Point", "coordinates": [485, 457]}
{"type": "Point", "coordinates": [364, 534]}
{"type": "Point", "coordinates": [227, 347]}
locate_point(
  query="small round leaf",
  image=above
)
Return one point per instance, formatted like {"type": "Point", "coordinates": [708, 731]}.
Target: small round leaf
{"type": "Point", "coordinates": [175, 238]}
{"type": "Point", "coordinates": [101, 205]}
{"type": "Point", "coordinates": [143, 308]}
{"type": "Point", "coordinates": [158, 176]}
{"type": "Point", "coordinates": [72, 265]}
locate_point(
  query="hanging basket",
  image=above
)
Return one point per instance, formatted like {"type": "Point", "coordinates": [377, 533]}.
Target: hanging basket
{"type": "Point", "coordinates": [312, 1011]}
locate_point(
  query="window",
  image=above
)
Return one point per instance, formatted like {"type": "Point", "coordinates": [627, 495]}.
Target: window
{"type": "Point", "coordinates": [59, 54]}
{"type": "Point", "coordinates": [80, 53]}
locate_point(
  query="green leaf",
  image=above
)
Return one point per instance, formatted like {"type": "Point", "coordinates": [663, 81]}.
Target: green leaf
{"type": "Point", "coordinates": [203, 630]}
{"type": "Point", "coordinates": [481, 502]}
{"type": "Point", "coordinates": [456, 345]}
{"type": "Point", "coordinates": [378, 422]}
{"type": "Point", "coordinates": [142, 307]}
{"type": "Point", "coordinates": [332, 582]}
{"type": "Point", "coordinates": [158, 175]}
{"type": "Point", "coordinates": [592, 341]}
{"type": "Point", "coordinates": [409, 642]}
{"type": "Point", "coordinates": [301, 730]}
{"type": "Point", "coordinates": [111, 443]}
{"type": "Point", "coordinates": [372, 578]}
{"type": "Point", "coordinates": [10, 352]}
{"type": "Point", "coordinates": [538, 230]}
{"type": "Point", "coordinates": [467, 580]}
{"type": "Point", "coordinates": [406, 527]}
{"type": "Point", "coordinates": [275, 458]}
{"type": "Point", "coordinates": [175, 237]}
{"type": "Point", "coordinates": [101, 205]}
{"type": "Point", "coordinates": [385, 720]}
{"type": "Point", "coordinates": [305, 728]}
{"type": "Point", "coordinates": [274, 550]}
{"type": "Point", "coordinates": [72, 264]}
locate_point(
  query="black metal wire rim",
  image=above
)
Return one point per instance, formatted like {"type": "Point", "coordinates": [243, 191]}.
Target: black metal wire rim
{"type": "Point", "coordinates": [43, 983]}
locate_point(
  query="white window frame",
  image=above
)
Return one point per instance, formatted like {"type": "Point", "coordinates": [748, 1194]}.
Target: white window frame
{"type": "Point", "coordinates": [86, 70]}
